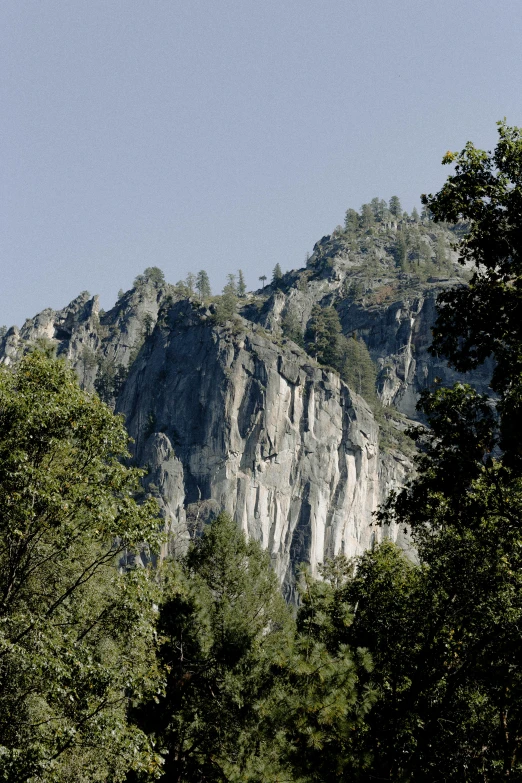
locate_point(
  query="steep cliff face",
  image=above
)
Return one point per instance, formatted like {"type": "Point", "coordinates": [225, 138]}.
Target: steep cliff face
{"type": "Point", "coordinates": [236, 416]}
{"type": "Point", "coordinates": [225, 418]}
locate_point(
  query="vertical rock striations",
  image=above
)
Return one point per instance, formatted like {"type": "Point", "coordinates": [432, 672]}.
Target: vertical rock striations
{"type": "Point", "coordinates": [226, 418]}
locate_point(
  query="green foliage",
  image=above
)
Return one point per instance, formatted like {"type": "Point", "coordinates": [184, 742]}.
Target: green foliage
{"type": "Point", "coordinates": [395, 207]}
{"type": "Point", "coordinates": [152, 274]}
{"type": "Point", "coordinates": [367, 217]}
{"type": "Point", "coordinates": [75, 633]}
{"type": "Point", "coordinates": [327, 694]}
{"type": "Point", "coordinates": [182, 290]}
{"type": "Point", "coordinates": [148, 325]}
{"type": "Point", "coordinates": [241, 285]}
{"type": "Point", "coordinates": [323, 336]}
{"type": "Point", "coordinates": [203, 285]}
{"type": "Point", "coordinates": [350, 357]}
{"type": "Point", "coordinates": [484, 318]}
{"type": "Point", "coordinates": [222, 627]}
{"type": "Point", "coordinates": [455, 714]}
{"type": "Point", "coordinates": [458, 713]}
{"type": "Point", "coordinates": [351, 221]}
{"type": "Point", "coordinates": [358, 369]}
{"type": "Point", "coordinates": [277, 275]}
{"type": "Point", "coordinates": [109, 380]}
{"type": "Point", "coordinates": [226, 304]}
{"type": "Point", "coordinates": [291, 326]}
{"type": "Point", "coordinates": [190, 282]}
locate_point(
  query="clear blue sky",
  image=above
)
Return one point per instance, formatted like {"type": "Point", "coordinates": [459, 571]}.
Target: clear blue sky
{"type": "Point", "coordinates": [220, 134]}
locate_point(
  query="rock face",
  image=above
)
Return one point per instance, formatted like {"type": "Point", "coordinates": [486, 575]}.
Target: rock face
{"type": "Point", "coordinates": [225, 418]}
{"type": "Point", "coordinates": [392, 312]}
{"type": "Point", "coordinates": [236, 416]}
{"type": "Point", "coordinates": [99, 346]}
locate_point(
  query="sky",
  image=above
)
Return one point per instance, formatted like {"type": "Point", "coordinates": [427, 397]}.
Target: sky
{"type": "Point", "coordinates": [227, 134]}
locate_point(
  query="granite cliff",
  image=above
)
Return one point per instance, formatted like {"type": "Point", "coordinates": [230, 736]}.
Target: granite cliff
{"type": "Point", "coordinates": [231, 413]}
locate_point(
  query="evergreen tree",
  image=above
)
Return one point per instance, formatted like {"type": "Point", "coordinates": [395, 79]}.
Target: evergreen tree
{"type": "Point", "coordinates": [203, 285]}
{"type": "Point", "coordinates": [351, 221]}
{"type": "Point", "coordinates": [263, 278]}
{"type": "Point", "coordinates": [227, 303]}
{"type": "Point", "coordinates": [401, 251]}
{"type": "Point", "coordinates": [415, 215]}
{"type": "Point", "coordinates": [182, 290]}
{"type": "Point", "coordinates": [375, 204]}
{"type": "Point", "coordinates": [241, 285]}
{"type": "Point", "coordinates": [291, 327]}
{"type": "Point", "coordinates": [367, 218]}
{"type": "Point", "coordinates": [223, 630]}
{"type": "Point", "coordinates": [152, 274]}
{"type": "Point", "coordinates": [277, 276]}
{"type": "Point", "coordinates": [316, 712]}
{"type": "Point", "coordinates": [441, 253]}
{"type": "Point", "coordinates": [359, 370]}
{"type": "Point", "coordinates": [324, 339]}
{"type": "Point", "coordinates": [148, 325]}
{"type": "Point", "coordinates": [395, 207]}
{"type": "Point", "coordinates": [190, 282]}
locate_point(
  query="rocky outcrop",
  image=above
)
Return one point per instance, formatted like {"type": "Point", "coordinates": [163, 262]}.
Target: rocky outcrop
{"type": "Point", "coordinates": [99, 346]}
{"type": "Point", "coordinates": [392, 311]}
{"type": "Point", "coordinates": [235, 416]}
{"type": "Point", "coordinates": [225, 418]}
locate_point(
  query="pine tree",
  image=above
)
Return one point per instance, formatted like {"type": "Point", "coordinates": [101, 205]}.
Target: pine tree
{"type": "Point", "coordinates": [367, 218]}
{"type": "Point", "coordinates": [227, 303]}
{"type": "Point", "coordinates": [203, 285]}
{"type": "Point", "coordinates": [351, 221]}
{"type": "Point", "coordinates": [241, 285]}
{"type": "Point", "coordinates": [223, 629]}
{"type": "Point", "coordinates": [277, 276]}
{"type": "Point", "coordinates": [441, 253]}
{"type": "Point", "coordinates": [291, 327]}
{"type": "Point", "coordinates": [190, 282]}
{"type": "Point", "coordinates": [395, 207]}
{"type": "Point", "coordinates": [324, 339]}
{"type": "Point", "coordinates": [358, 369]}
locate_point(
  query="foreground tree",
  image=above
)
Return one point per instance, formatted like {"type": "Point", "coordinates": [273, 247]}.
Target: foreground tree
{"type": "Point", "coordinates": [222, 626]}
{"type": "Point", "coordinates": [456, 714]}
{"type": "Point", "coordinates": [75, 632]}
{"type": "Point", "coordinates": [485, 318]}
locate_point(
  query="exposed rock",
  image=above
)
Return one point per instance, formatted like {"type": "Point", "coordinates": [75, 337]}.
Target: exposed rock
{"type": "Point", "coordinates": [238, 417]}
{"type": "Point", "coordinates": [223, 416]}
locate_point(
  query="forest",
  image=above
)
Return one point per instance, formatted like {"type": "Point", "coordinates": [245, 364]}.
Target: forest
{"type": "Point", "coordinates": [120, 664]}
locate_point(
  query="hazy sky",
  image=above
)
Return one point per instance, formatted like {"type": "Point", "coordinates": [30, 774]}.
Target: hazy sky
{"type": "Point", "coordinates": [226, 134]}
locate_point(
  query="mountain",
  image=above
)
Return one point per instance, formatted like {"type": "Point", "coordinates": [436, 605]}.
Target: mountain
{"type": "Point", "coordinates": [229, 405]}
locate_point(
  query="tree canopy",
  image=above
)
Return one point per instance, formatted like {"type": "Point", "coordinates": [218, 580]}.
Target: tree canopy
{"type": "Point", "coordinates": [75, 632]}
